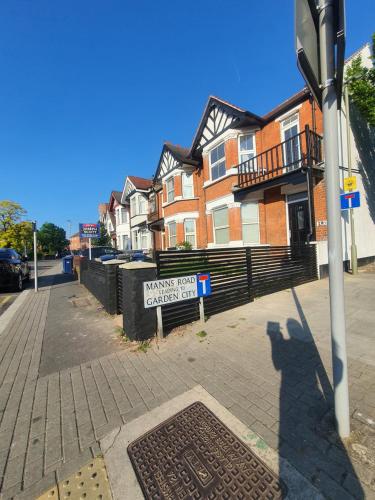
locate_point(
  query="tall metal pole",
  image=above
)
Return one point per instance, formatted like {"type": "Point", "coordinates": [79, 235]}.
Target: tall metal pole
{"type": "Point", "coordinates": [353, 246]}
{"type": "Point", "coordinates": [89, 248]}
{"type": "Point", "coordinates": [35, 261]}
{"type": "Point", "coordinates": [335, 254]}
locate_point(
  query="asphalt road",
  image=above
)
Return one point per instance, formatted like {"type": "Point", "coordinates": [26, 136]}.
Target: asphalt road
{"type": "Point", "coordinates": [7, 298]}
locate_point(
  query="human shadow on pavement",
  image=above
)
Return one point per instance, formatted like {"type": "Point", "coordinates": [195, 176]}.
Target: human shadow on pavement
{"type": "Point", "coordinates": [307, 436]}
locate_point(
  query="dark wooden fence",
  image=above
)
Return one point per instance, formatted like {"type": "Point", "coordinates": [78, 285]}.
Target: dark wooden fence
{"type": "Point", "coordinates": [238, 275]}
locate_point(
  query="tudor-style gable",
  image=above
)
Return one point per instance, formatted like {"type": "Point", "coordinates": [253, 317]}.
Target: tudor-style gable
{"type": "Point", "coordinates": [218, 117]}
{"type": "Point", "coordinates": [172, 157]}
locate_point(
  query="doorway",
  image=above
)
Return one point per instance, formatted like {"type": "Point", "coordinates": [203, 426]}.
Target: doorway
{"type": "Point", "coordinates": [298, 222]}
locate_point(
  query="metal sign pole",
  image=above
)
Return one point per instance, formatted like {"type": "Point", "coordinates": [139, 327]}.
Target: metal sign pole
{"type": "Point", "coordinates": [159, 318]}
{"type": "Point", "coordinates": [201, 310]}
{"type": "Point", "coordinates": [35, 260]}
{"type": "Point", "coordinates": [335, 255]}
{"type": "Point", "coordinates": [90, 248]}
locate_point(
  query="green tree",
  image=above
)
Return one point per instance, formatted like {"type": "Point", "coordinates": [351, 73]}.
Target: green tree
{"type": "Point", "coordinates": [52, 238]}
{"type": "Point", "coordinates": [10, 213]}
{"type": "Point", "coordinates": [104, 240]}
{"type": "Point", "coordinates": [360, 82]}
{"type": "Point", "coordinates": [18, 236]}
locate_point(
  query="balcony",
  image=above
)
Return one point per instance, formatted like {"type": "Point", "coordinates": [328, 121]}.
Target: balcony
{"type": "Point", "coordinates": [303, 150]}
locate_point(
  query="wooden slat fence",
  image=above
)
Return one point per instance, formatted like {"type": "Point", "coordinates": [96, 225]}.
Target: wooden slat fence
{"type": "Point", "coordinates": [238, 275]}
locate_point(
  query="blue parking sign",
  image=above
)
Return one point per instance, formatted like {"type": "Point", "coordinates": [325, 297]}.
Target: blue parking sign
{"type": "Point", "coordinates": [203, 284]}
{"type": "Point", "coordinates": [350, 200]}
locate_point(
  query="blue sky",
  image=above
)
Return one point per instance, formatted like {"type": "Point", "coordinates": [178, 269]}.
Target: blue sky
{"type": "Point", "coordinates": [90, 89]}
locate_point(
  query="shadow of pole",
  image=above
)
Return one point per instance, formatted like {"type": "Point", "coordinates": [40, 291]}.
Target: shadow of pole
{"type": "Point", "coordinates": [307, 437]}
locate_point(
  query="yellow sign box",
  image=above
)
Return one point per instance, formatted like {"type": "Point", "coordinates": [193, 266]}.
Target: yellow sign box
{"type": "Point", "coordinates": [350, 183]}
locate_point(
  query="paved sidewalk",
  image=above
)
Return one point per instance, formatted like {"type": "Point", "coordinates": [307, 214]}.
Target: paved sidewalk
{"type": "Point", "coordinates": [260, 361]}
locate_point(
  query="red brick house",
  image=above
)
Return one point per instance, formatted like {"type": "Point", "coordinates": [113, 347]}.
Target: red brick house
{"type": "Point", "coordinates": [246, 179]}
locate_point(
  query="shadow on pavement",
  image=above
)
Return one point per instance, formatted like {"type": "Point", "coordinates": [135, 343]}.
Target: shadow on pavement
{"type": "Point", "coordinates": [307, 436]}
{"type": "Point", "coordinates": [54, 279]}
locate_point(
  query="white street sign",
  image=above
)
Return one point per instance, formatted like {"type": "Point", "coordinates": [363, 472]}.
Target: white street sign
{"type": "Point", "coordinates": [162, 292]}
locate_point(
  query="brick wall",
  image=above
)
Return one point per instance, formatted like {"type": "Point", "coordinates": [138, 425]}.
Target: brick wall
{"type": "Point", "coordinates": [320, 207]}
{"type": "Point", "coordinates": [275, 216]}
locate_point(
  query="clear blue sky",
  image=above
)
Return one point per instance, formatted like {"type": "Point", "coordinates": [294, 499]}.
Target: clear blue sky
{"type": "Point", "coordinates": [90, 89]}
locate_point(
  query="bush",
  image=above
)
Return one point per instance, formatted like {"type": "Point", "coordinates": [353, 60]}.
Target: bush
{"type": "Point", "coordinates": [185, 245]}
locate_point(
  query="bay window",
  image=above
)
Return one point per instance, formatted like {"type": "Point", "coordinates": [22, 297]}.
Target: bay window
{"type": "Point", "coordinates": [172, 234]}
{"type": "Point", "coordinates": [141, 204]}
{"type": "Point", "coordinates": [250, 223]}
{"type": "Point", "coordinates": [189, 229]}
{"type": "Point", "coordinates": [221, 225]}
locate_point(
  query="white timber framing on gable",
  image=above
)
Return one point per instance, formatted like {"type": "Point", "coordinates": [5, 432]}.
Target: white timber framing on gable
{"type": "Point", "coordinates": [217, 122]}
{"type": "Point", "coordinates": [168, 162]}
{"type": "Point", "coordinates": [129, 187]}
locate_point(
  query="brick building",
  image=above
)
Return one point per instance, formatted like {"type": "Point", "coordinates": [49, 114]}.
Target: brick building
{"type": "Point", "coordinates": [77, 243]}
{"type": "Point", "coordinates": [246, 179]}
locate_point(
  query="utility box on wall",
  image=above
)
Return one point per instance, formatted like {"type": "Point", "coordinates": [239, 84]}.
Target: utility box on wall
{"type": "Point", "coordinates": [138, 323]}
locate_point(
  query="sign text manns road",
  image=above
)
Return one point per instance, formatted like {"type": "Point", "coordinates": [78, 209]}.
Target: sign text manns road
{"type": "Point", "coordinates": [162, 292]}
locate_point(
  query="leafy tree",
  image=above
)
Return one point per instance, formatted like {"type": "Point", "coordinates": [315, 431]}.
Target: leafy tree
{"type": "Point", "coordinates": [360, 82]}
{"type": "Point", "coordinates": [104, 240]}
{"type": "Point", "coordinates": [52, 238]}
{"type": "Point", "coordinates": [18, 236]}
{"type": "Point", "coordinates": [10, 213]}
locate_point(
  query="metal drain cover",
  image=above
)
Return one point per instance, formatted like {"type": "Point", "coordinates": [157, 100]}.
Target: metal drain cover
{"type": "Point", "coordinates": [194, 455]}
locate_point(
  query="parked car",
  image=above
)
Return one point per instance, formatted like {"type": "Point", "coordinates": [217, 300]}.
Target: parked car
{"type": "Point", "coordinates": [97, 252]}
{"type": "Point", "coordinates": [14, 269]}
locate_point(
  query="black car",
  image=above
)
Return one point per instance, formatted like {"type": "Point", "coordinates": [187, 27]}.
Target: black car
{"type": "Point", "coordinates": [14, 269]}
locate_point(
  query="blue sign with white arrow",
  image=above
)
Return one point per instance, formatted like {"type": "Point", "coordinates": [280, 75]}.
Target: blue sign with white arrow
{"type": "Point", "coordinates": [203, 284]}
{"type": "Point", "coordinates": [350, 200]}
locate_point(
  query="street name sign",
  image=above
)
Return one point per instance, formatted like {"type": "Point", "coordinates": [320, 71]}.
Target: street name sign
{"type": "Point", "coordinates": [89, 230]}
{"type": "Point", "coordinates": [350, 183]}
{"type": "Point", "coordinates": [350, 200]}
{"type": "Point", "coordinates": [170, 290]}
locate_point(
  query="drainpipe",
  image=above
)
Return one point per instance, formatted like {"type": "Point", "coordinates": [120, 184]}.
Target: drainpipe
{"type": "Point", "coordinates": [310, 186]}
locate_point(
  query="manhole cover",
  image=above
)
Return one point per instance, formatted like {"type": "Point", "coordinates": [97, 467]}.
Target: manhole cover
{"type": "Point", "coordinates": [194, 455]}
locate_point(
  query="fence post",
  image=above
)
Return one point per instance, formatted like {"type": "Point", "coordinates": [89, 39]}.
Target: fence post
{"type": "Point", "coordinates": [249, 273]}
{"type": "Point", "coordinates": [138, 323]}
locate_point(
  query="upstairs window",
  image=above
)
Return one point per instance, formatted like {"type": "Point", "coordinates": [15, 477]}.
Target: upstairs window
{"type": "Point", "coordinates": [172, 234]}
{"type": "Point", "coordinates": [123, 216]}
{"type": "Point", "coordinates": [170, 189]}
{"type": "Point", "coordinates": [291, 143]}
{"type": "Point", "coordinates": [217, 162]}
{"type": "Point", "coordinates": [141, 204]}
{"type": "Point", "coordinates": [133, 207]}
{"type": "Point", "coordinates": [187, 185]}
{"type": "Point", "coordinates": [152, 204]}
{"type": "Point", "coordinates": [246, 147]}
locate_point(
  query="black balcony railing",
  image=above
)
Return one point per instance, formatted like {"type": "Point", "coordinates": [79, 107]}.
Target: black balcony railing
{"type": "Point", "coordinates": [301, 150]}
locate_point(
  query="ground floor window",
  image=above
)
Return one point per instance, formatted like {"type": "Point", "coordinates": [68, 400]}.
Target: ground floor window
{"type": "Point", "coordinates": [144, 241]}
{"type": "Point", "coordinates": [125, 243]}
{"type": "Point", "coordinates": [189, 230]}
{"type": "Point", "coordinates": [250, 223]}
{"type": "Point", "coordinates": [135, 240]}
{"type": "Point", "coordinates": [221, 225]}
{"type": "Point", "coordinates": [172, 234]}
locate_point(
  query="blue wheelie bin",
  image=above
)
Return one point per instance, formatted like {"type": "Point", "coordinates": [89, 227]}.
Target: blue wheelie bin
{"type": "Point", "coordinates": [67, 263]}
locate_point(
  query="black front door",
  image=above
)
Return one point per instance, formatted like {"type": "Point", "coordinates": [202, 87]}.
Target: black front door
{"type": "Point", "coordinates": [298, 222]}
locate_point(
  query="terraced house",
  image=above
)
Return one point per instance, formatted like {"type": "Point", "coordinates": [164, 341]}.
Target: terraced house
{"type": "Point", "coordinates": [246, 180]}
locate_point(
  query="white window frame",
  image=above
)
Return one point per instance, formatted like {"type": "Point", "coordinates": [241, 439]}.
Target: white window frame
{"type": "Point", "coordinates": [142, 206]}
{"type": "Point", "coordinates": [153, 203]}
{"type": "Point", "coordinates": [253, 223]}
{"type": "Point", "coordinates": [287, 123]}
{"type": "Point", "coordinates": [123, 215]}
{"type": "Point", "coordinates": [168, 190]}
{"type": "Point", "coordinates": [247, 151]}
{"type": "Point", "coordinates": [194, 234]}
{"type": "Point", "coordinates": [184, 176]}
{"type": "Point", "coordinates": [220, 227]}
{"type": "Point", "coordinates": [143, 235]}
{"type": "Point", "coordinates": [212, 165]}
{"type": "Point", "coordinates": [135, 243]}
{"type": "Point", "coordinates": [169, 234]}
{"type": "Point", "coordinates": [133, 206]}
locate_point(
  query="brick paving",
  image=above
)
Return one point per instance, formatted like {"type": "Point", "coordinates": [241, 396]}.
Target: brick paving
{"type": "Point", "coordinates": [279, 386]}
